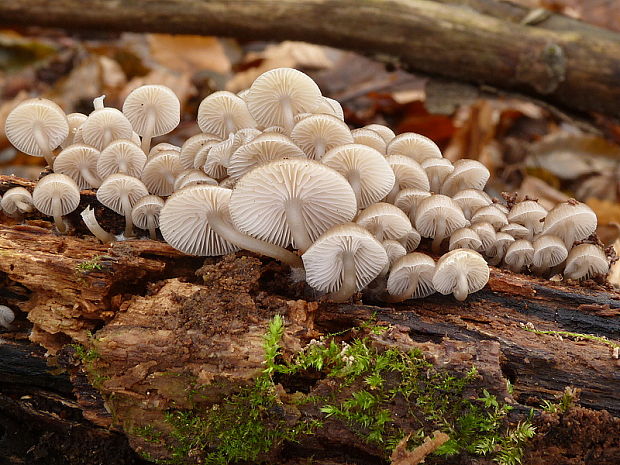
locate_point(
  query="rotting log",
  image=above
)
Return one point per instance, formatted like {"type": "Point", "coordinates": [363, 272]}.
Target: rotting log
{"type": "Point", "coordinates": [557, 60]}
{"type": "Point", "coordinates": [141, 329]}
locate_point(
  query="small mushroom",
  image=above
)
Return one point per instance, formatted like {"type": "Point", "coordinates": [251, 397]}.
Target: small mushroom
{"type": "Point", "coordinates": [75, 120]}
{"type": "Point", "coordinates": [470, 200]}
{"type": "Point", "coordinates": [437, 169]}
{"type": "Point", "coordinates": [465, 238]}
{"type": "Point", "coordinates": [490, 214]}
{"type": "Point", "coordinates": [218, 157]}
{"type": "Point", "coordinates": [437, 217]}
{"type": "Point", "coordinates": [224, 113]}
{"type": "Point", "coordinates": [585, 261]}
{"type": "Point", "coordinates": [192, 177]}
{"type": "Point", "coordinates": [415, 146]}
{"type": "Point", "coordinates": [153, 110]}
{"type": "Point", "coordinates": [411, 240]}
{"type": "Point", "coordinates": [467, 174]}
{"type": "Point", "coordinates": [343, 260]}
{"type": "Point", "coordinates": [278, 95]}
{"type": "Point", "coordinates": [193, 145]}
{"type": "Point", "coordinates": [121, 156]}
{"type": "Point", "coordinates": [104, 126]}
{"type": "Point", "coordinates": [571, 221]}
{"type": "Point", "coordinates": [163, 147]}
{"type": "Point", "coordinates": [394, 251]}
{"type": "Point", "coordinates": [549, 251]}
{"type": "Point", "coordinates": [119, 193]}
{"type": "Point", "coordinates": [369, 174]}
{"type": "Point", "coordinates": [160, 172]}
{"type": "Point", "coordinates": [411, 277]}
{"type": "Point", "coordinates": [317, 134]}
{"type": "Point", "coordinates": [329, 106]}
{"type": "Point", "coordinates": [56, 195]}
{"type": "Point", "coordinates": [386, 133]}
{"type": "Point", "coordinates": [486, 233]}
{"type": "Point", "coordinates": [7, 316]}
{"type": "Point", "coordinates": [384, 221]}
{"type": "Point", "coordinates": [408, 201]}
{"type": "Point", "coordinates": [530, 214]}
{"type": "Point", "coordinates": [370, 138]}
{"type": "Point", "coordinates": [460, 272]}
{"type": "Point", "coordinates": [291, 202]}
{"type": "Point", "coordinates": [36, 127]}
{"type": "Point", "coordinates": [409, 175]}
{"type": "Point", "coordinates": [16, 201]}
{"type": "Point", "coordinates": [145, 213]}
{"type": "Point", "coordinates": [519, 255]}
{"type": "Point", "coordinates": [79, 162]}
{"type": "Point", "coordinates": [516, 230]}
{"type": "Point", "coordinates": [496, 251]}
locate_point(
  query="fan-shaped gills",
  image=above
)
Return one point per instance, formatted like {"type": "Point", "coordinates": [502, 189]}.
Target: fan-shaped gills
{"type": "Point", "coordinates": [411, 277]}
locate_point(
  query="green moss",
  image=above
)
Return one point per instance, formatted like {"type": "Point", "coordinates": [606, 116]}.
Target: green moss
{"type": "Point", "coordinates": [251, 423]}
{"type": "Point", "coordinates": [577, 336]}
{"type": "Point", "coordinates": [565, 401]}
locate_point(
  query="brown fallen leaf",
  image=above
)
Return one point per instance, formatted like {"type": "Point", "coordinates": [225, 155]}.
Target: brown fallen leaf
{"type": "Point", "coordinates": [402, 456]}
{"type": "Point", "coordinates": [188, 53]}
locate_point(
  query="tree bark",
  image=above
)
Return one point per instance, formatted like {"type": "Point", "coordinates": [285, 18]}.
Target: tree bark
{"type": "Point", "coordinates": [141, 330]}
{"type": "Point", "coordinates": [569, 64]}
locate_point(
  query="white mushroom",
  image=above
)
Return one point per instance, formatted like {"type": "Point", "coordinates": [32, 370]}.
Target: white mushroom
{"type": "Point", "coordinates": [460, 272]}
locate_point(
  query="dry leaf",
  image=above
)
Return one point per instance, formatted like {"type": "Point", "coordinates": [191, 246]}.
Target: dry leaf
{"type": "Point", "coordinates": [188, 54]}
{"type": "Point", "coordinates": [5, 109]}
{"type": "Point", "coordinates": [538, 189]}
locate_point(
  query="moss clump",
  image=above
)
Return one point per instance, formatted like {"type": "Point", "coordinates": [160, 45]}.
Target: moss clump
{"type": "Point", "coordinates": [253, 422]}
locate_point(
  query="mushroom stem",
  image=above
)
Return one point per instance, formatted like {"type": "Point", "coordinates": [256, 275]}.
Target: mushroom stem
{"type": "Point", "coordinates": [127, 210]}
{"type": "Point", "coordinates": [230, 126]}
{"type": "Point", "coordinates": [319, 149]}
{"type": "Point", "coordinates": [228, 232]}
{"type": "Point", "coordinates": [150, 225]}
{"type": "Point", "coordinates": [461, 289]}
{"type": "Point", "coordinates": [289, 117]}
{"type": "Point", "coordinates": [98, 102]}
{"type": "Point", "coordinates": [56, 213]}
{"type": "Point", "coordinates": [108, 137]}
{"type": "Point", "coordinates": [93, 181]}
{"type": "Point", "coordinates": [122, 166]}
{"type": "Point", "coordinates": [88, 216]}
{"type": "Point", "coordinates": [355, 181]}
{"type": "Point", "coordinates": [347, 288]}
{"type": "Point", "coordinates": [148, 132]}
{"type": "Point", "coordinates": [43, 144]}
{"type": "Point", "coordinates": [440, 234]}
{"type": "Point", "coordinates": [295, 221]}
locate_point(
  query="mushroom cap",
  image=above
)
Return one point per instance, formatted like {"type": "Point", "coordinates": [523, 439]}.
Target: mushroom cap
{"type": "Point", "coordinates": [471, 200]}
{"type": "Point", "coordinates": [73, 159]}
{"type": "Point", "coordinates": [549, 251]}
{"type": "Point", "coordinates": [385, 217]}
{"type": "Point", "coordinates": [35, 113]}
{"type": "Point", "coordinates": [323, 131]}
{"type": "Point", "coordinates": [417, 264]}
{"type": "Point", "coordinates": [437, 169]}
{"type": "Point", "coordinates": [218, 157]}
{"type": "Point", "coordinates": [106, 121]}
{"type": "Point", "coordinates": [329, 106]}
{"type": "Point", "coordinates": [370, 138]}
{"type": "Point", "coordinates": [11, 196]}
{"type": "Point", "coordinates": [259, 200]}
{"type": "Point", "coordinates": [223, 113]}
{"type": "Point", "coordinates": [191, 177]}
{"type": "Point", "coordinates": [409, 174]}
{"type": "Point", "coordinates": [121, 152]}
{"type": "Point", "coordinates": [500, 206]}
{"type": "Point", "coordinates": [163, 147]}
{"type": "Point", "coordinates": [516, 230]}
{"type": "Point", "coordinates": [499, 246]}
{"type": "Point", "coordinates": [115, 186]}
{"type": "Point", "coordinates": [571, 221]}
{"type": "Point", "coordinates": [366, 167]}
{"type": "Point", "coordinates": [437, 207]}
{"type": "Point", "coordinates": [323, 260]}
{"type": "Point", "coordinates": [274, 88]}
{"type": "Point", "coordinates": [264, 148]}
{"type": "Point", "coordinates": [394, 250]}
{"type": "Point", "coordinates": [519, 250]}
{"type": "Point", "coordinates": [486, 233]}
{"type": "Point", "coordinates": [465, 238]}
{"type": "Point", "coordinates": [159, 101]}
{"type": "Point", "coordinates": [528, 213]}
{"type": "Point", "coordinates": [75, 120]}
{"type": "Point", "coordinates": [193, 145]}
{"type": "Point", "coordinates": [411, 240]}
{"type": "Point", "coordinates": [460, 262]}
{"type": "Point", "coordinates": [467, 174]}
{"type": "Point", "coordinates": [183, 221]}
{"type": "Point", "coordinates": [386, 133]}
{"type": "Point", "coordinates": [408, 201]}
{"type": "Point", "coordinates": [160, 172]}
{"type": "Point", "coordinates": [585, 261]}
{"type": "Point", "coordinates": [149, 205]}
{"type": "Point", "coordinates": [415, 146]}
{"type": "Point", "coordinates": [56, 186]}
{"type": "Point", "coordinates": [490, 214]}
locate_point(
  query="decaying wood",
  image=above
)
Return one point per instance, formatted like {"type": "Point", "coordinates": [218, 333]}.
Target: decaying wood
{"type": "Point", "coordinates": [558, 60]}
{"type": "Point", "coordinates": [162, 327]}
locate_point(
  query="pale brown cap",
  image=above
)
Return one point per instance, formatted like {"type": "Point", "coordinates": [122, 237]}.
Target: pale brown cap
{"type": "Point", "coordinates": [16, 200]}
{"type": "Point", "coordinates": [528, 213]}
{"type": "Point", "coordinates": [516, 230]}
{"type": "Point", "coordinates": [497, 249]}
{"type": "Point", "coordinates": [163, 147]}
{"type": "Point", "coordinates": [104, 126]}
{"type": "Point", "coordinates": [585, 261]}
{"type": "Point", "coordinates": [571, 221]}
{"type": "Point", "coordinates": [56, 195]}
{"type": "Point", "coordinates": [549, 251]}
{"type": "Point", "coordinates": [368, 172]}
{"type": "Point", "coordinates": [329, 106]}
{"type": "Point", "coordinates": [409, 174]}
{"type": "Point", "coordinates": [224, 113]}
{"type": "Point", "coordinates": [437, 217]}
{"type": "Point", "coordinates": [460, 272]}
{"type": "Point", "coordinates": [192, 177]}
{"type": "Point", "coordinates": [415, 268]}
{"type": "Point", "coordinates": [519, 255]}
{"type": "Point", "coordinates": [465, 238]}
{"type": "Point", "coordinates": [467, 174]}
{"type": "Point", "coordinates": [415, 146]}
{"type": "Point", "coordinates": [486, 233]}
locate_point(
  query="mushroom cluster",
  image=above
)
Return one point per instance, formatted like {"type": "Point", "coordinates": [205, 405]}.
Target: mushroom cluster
{"type": "Point", "coordinates": [277, 171]}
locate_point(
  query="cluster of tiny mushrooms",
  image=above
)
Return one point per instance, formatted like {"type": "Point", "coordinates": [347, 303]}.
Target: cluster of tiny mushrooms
{"type": "Point", "coordinates": [277, 171]}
